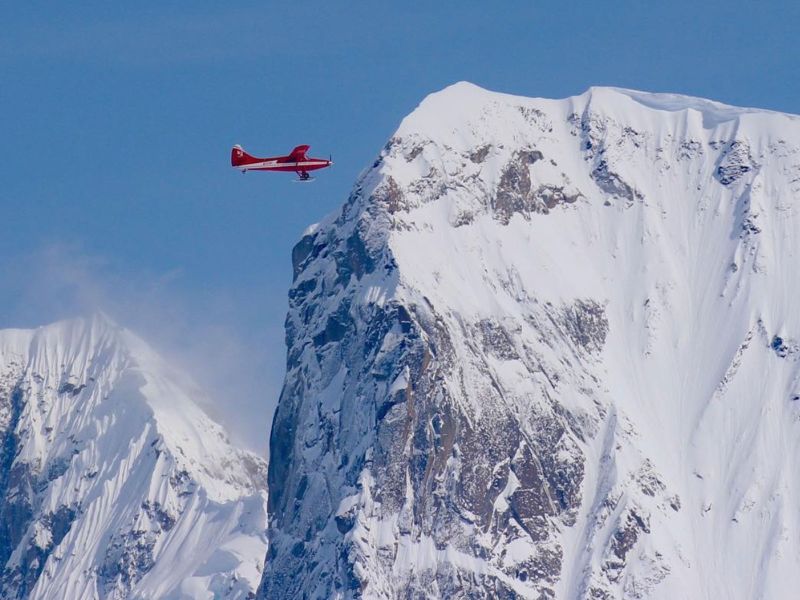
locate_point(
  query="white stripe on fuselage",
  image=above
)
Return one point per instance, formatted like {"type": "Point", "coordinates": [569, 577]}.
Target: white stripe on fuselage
{"type": "Point", "coordinates": [270, 164]}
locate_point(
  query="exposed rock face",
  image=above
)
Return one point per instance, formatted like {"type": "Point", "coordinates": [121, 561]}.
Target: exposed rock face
{"type": "Point", "coordinates": [520, 364]}
{"type": "Point", "coordinates": [113, 483]}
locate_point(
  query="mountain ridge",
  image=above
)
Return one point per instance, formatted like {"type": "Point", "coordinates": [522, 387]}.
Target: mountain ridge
{"type": "Point", "coordinates": [523, 357]}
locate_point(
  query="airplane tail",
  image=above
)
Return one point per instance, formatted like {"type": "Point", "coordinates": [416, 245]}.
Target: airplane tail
{"type": "Point", "coordinates": [240, 158]}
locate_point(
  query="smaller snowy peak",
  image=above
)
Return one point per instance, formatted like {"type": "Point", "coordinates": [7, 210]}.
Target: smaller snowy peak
{"type": "Point", "coordinates": [109, 471]}
{"type": "Point", "coordinates": [64, 341]}
{"type": "Point", "coordinates": [69, 356]}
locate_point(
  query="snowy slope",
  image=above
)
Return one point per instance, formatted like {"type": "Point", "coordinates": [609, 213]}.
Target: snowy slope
{"type": "Point", "coordinates": [548, 348]}
{"type": "Point", "coordinates": [113, 483]}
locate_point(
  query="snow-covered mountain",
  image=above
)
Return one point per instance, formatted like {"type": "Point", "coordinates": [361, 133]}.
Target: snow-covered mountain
{"type": "Point", "coordinates": [113, 483]}
{"type": "Point", "coordinates": [548, 349]}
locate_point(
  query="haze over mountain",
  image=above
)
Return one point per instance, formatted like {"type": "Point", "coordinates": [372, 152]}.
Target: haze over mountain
{"type": "Point", "coordinates": [113, 483]}
{"type": "Point", "coordinates": [548, 348]}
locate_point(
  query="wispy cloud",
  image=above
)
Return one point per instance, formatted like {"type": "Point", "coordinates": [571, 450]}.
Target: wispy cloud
{"type": "Point", "coordinates": [215, 336]}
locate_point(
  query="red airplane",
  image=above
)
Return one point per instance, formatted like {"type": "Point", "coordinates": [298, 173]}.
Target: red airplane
{"type": "Point", "coordinates": [296, 161]}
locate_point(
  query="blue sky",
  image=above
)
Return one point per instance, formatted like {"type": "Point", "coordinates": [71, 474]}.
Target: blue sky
{"type": "Point", "coordinates": [117, 123]}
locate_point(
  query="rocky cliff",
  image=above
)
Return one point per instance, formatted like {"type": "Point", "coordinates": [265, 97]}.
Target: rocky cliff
{"type": "Point", "coordinates": [548, 349]}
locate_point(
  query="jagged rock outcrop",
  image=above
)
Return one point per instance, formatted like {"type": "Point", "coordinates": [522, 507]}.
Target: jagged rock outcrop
{"type": "Point", "coordinates": [543, 352]}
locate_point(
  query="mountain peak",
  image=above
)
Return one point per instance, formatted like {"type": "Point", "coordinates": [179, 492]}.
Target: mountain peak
{"type": "Point", "coordinates": [460, 105]}
{"type": "Point", "coordinates": [549, 349]}
{"type": "Point", "coordinates": [107, 462]}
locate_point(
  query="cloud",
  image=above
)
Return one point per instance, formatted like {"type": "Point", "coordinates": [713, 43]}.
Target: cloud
{"type": "Point", "coordinates": [216, 336]}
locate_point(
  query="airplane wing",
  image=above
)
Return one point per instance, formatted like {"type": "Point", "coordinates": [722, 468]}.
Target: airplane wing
{"type": "Point", "coordinates": [299, 153]}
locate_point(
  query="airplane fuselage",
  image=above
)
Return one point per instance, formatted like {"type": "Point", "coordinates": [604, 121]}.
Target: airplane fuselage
{"type": "Point", "coordinates": [276, 164]}
{"type": "Point", "coordinates": [296, 161]}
